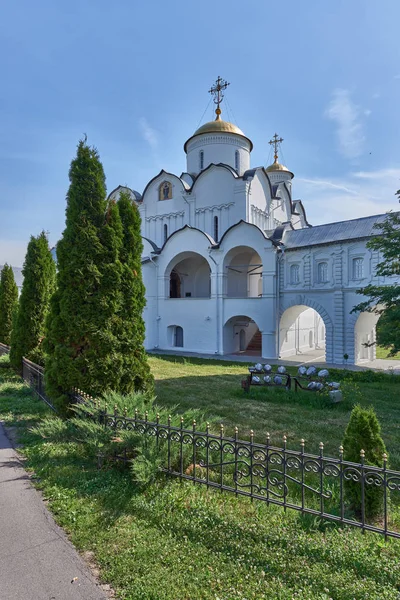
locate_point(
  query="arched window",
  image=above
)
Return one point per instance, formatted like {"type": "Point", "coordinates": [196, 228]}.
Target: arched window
{"type": "Point", "coordinates": [201, 160]}
{"type": "Point", "coordinates": [358, 268]}
{"type": "Point", "coordinates": [294, 274]}
{"type": "Point", "coordinates": [178, 337]}
{"type": "Point", "coordinates": [237, 161]}
{"type": "Point", "coordinates": [165, 191]}
{"type": "Point", "coordinates": [216, 229]}
{"type": "Point", "coordinates": [165, 233]}
{"type": "Point", "coordinates": [322, 272]}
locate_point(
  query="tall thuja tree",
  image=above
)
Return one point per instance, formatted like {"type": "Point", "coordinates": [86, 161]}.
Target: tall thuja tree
{"type": "Point", "coordinates": [8, 303]}
{"type": "Point", "coordinates": [39, 273]}
{"type": "Point", "coordinates": [385, 299]}
{"type": "Point", "coordinates": [81, 342]}
{"type": "Point", "coordinates": [136, 371]}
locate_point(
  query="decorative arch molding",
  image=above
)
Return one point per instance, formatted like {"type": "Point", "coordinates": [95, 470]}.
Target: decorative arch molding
{"type": "Point", "coordinates": [301, 299]}
{"type": "Point", "coordinates": [216, 167]}
{"type": "Point", "coordinates": [164, 175]}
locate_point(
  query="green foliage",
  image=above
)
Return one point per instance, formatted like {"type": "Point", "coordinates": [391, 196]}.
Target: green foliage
{"type": "Point", "coordinates": [385, 299]}
{"type": "Point", "coordinates": [173, 540]}
{"type": "Point", "coordinates": [8, 303]}
{"type": "Point", "coordinates": [39, 273]}
{"type": "Point", "coordinates": [136, 374]}
{"type": "Point", "coordinates": [364, 433]}
{"type": "Point", "coordinates": [95, 329]}
{"type": "Point", "coordinates": [81, 341]}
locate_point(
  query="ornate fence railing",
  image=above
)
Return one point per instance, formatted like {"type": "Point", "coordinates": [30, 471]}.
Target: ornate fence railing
{"type": "Point", "coordinates": [4, 349]}
{"type": "Point", "coordinates": [312, 484]}
{"type": "Point", "coordinates": [33, 375]}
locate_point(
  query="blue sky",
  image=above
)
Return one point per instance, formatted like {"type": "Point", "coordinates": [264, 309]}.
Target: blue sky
{"type": "Point", "coordinates": [134, 77]}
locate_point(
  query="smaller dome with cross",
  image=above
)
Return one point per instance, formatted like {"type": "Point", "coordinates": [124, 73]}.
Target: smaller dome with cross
{"type": "Point", "coordinates": [276, 166]}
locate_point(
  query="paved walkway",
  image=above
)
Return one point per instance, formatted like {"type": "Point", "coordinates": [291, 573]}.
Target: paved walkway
{"type": "Point", "coordinates": [37, 562]}
{"type": "Point", "coordinates": [315, 357]}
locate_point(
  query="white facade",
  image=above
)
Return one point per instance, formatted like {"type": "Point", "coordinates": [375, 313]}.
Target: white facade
{"type": "Point", "coordinates": [231, 264]}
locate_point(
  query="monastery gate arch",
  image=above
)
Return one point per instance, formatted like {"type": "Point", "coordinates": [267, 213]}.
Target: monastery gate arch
{"type": "Point", "coordinates": [361, 336]}
{"type": "Point", "coordinates": [291, 309]}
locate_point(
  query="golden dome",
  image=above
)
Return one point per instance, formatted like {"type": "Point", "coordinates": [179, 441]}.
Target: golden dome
{"type": "Point", "coordinates": [278, 167]}
{"type": "Point", "coordinates": [218, 126]}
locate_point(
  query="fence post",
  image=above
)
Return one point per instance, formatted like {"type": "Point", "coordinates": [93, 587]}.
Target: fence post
{"type": "Point", "coordinates": [181, 450]}
{"type": "Point", "coordinates": [341, 450]}
{"type": "Point", "coordinates": [362, 456]}
{"type": "Point", "coordinates": [251, 462]}
{"type": "Point", "coordinates": [208, 453]}
{"type": "Point", "coordinates": [385, 494]}
{"type": "Point", "coordinates": [194, 450]}
{"type": "Point", "coordinates": [267, 466]}
{"type": "Point", "coordinates": [284, 472]}
{"type": "Point", "coordinates": [221, 454]}
{"type": "Point", "coordinates": [321, 477]}
{"type": "Point", "coordinates": [302, 444]}
{"type": "Point", "coordinates": [169, 442]}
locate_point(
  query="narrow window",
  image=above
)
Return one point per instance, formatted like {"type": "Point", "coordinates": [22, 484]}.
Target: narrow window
{"type": "Point", "coordinates": [358, 268]}
{"type": "Point", "coordinates": [165, 233]}
{"type": "Point", "coordinates": [201, 156]}
{"type": "Point", "coordinates": [178, 337]}
{"type": "Point", "coordinates": [322, 274]}
{"type": "Point", "coordinates": [216, 229]}
{"type": "Point", "coordinates": [237, 161]}
{"type": "Point", "coordinates": [294, 274]}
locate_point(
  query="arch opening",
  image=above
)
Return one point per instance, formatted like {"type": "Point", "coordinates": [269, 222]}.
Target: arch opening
{"type": "Point", "coordinates": [365, 337]}
{"type": "Point", "coordinates": [241, 334]}
{"type": "Point", "coordinates": [302, 334]}
{"type": "Point", "coordinates": [189, 276]}
{"type": "Point", "coordinates": [243, 273]}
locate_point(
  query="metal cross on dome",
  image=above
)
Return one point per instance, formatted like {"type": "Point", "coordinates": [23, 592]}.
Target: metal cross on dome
{"type": "Point", "coordinates": [275, 143]}
{"type": "Point", "coordinates": [217, 90]}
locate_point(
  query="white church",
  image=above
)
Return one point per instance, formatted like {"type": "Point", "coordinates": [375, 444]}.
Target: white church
{"type": "Point", "coordinates": [231, 264]}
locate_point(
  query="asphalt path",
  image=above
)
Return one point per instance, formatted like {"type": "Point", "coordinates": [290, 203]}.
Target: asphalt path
{"type": "Point", "coordinates": [37, 561]}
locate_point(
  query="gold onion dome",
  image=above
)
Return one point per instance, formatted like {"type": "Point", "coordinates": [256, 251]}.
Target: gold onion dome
{"type": "Point", "coordinates": [276, 166]}
{"type": "Point", "coordinates": [218, 126]}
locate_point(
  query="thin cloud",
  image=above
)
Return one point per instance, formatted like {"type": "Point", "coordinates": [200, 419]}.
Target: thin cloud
{"type": "Point", "coordinates": [149, 134]}
{"type": "Point", "coordinates": [346, 115]}
{"type": "Point", "coordinates": [358, 194]}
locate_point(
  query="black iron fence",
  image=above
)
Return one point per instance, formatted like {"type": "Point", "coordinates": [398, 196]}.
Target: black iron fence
{"type": "Point", "coordinates": [4, 349]}
{"type": "Point", "coordinates": [33, 375]}
{"type": "Point", "coordinates": [313, 484]}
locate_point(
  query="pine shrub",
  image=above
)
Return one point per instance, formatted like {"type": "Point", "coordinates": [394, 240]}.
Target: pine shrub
{"type": "Point", "coordinates": [39, 273]}
{"type": "Point", "coordinates": [8, 303]}
{"type": "Point", "coordinates": [364, 433]}
{"type": "Point", "coordinates": [81, 342]}
{"type": "Point", "coordinates": [136, 374]}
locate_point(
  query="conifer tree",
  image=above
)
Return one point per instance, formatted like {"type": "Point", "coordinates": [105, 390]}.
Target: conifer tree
{"type": "Point", "coordinates": [39, 273]}
{"type": "Point", "coordinates": [81, 342]}
{"type": "Point", "coordinates": [8, 303]}
{"type": "Point", "coordinates": [136, 371]}
{"type": "Point", "coordinates": [363, 432]}
{"type": "Point", "coordinates": [384, 299]}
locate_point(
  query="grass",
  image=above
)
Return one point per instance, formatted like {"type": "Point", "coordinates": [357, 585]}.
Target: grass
{"type": "Point", "coordinates": [384, 353]}
{"type": "Point", "coordinates": [176, 541]}
{"type": "Point", "coordinates": [214, 387]}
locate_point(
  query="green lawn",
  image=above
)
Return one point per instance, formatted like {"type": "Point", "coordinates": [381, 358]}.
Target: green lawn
{"type": "Point", "coordinates": [214, 387]}
{"type": "Point", "coordinates": [384, 353]}
{"type": "Point", "coordinates": [175, 541]}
